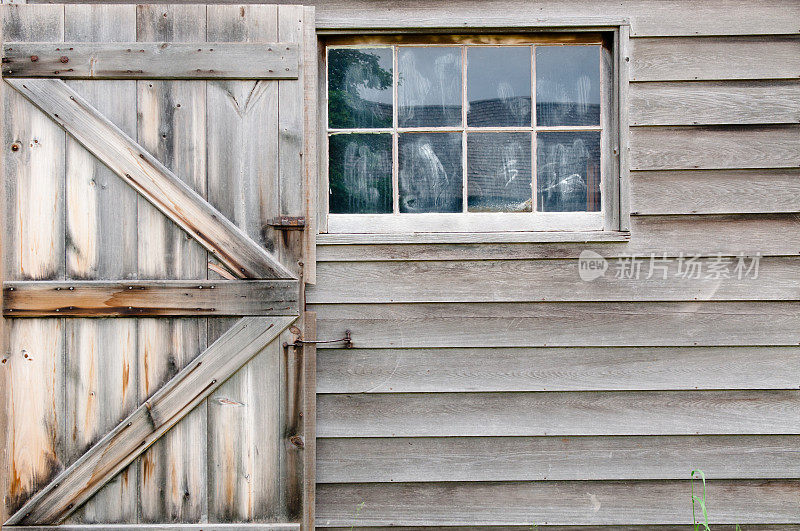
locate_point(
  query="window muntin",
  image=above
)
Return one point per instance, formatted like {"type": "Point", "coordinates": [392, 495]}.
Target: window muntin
{"type": "Point", "coordinates": [506, 128]}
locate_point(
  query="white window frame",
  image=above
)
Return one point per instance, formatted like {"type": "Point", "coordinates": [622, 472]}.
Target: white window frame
{"type": "Point", "coordinates": [611, 222]}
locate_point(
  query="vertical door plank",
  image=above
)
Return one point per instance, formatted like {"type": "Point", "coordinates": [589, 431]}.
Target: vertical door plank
{"type": "Point", "coordinates": [309, 72]}
{"type": "Point", "coordinates": [171, 126]}
{"type": "Point", "coordinates": [244, 419]}
{"type": "Point", "coordinates": [101, 244]}
{"type": "Point", "coordinates": [32, 371]}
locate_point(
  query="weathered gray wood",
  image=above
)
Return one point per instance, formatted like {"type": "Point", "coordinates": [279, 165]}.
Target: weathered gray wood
{"type": "Point", "coordinates": [100, 360]}
{"type": "Point", "coordinates": [552, 280]}
{"type": "Point", "coordinates": [246, 439]}
{"type": "Point", "coordinates": [167, 527]}
{"type": "Point", "coordinates": [150, 420]}
{"type": "Point", "coordinates": [152, 179]}
{"type": "Point", "coordinates": [309, 421]}
{"type": "Point", "coordinates": [661, 527]}
{"type": "Point", "coordinates": [715, 102]}
{"type": "Point", "coordinates": [502, 504]}
{"type": "Point", "coordinates": [427, 459]}
{"type": "Point", "coordinates": [559, 413]}
{"type": "Point", "coordinates": [311, 147]}
{"type": "Point", "coordinates": [714, 58]}
{"type": "Point", "coordinates": [419, 238]}
{"type": "Point", "coordinates": [172, 126]}
{"type": "Point", "coordinates": [32, 438]}
{"type": "Point", "coordinates": [707, 235]}
{"type": "Point", "coordinates": [715, 191]}
{"type": "Point", "coordinates": [724, 147]}
{"type": "Point", "coordinates": [562, 324]}
{"type": "Point", "coordinates": [151, 60]}
{"type": "Point", "coordinates": [150, 298]}
{"type": "Point", "coordinates": [556, 369]}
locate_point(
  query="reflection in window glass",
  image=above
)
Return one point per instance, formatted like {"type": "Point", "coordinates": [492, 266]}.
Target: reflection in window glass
{"type": "Point", "coordinates": [499, 85]}
{"type": "Point", "coordinates": [360, 170]}
{"type": "Point", "coordinates": [360, 87]}
{"type": "Point", "coordinates": [568, 171]}
{"type": "Point", "coordinates": [429, 86]}
{"type": "Point", "coordinates": [499, 172]}
{"type": "Point", "coordinates": [430, 172]}
{"type": "Point", "coordinates": [568, 85]}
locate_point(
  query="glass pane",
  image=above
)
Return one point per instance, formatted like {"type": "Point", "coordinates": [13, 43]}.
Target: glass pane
{"type": "Point", "coordinates": [430, 172]}
{"type": "Point", "coordinates": [568, 171]}
{"type": "Point", "coordinates": [429, 86]}
{"type": "Point", "coordinates": [359, 87]}
{"type": "Point", "coordinates": [499, 85]}
{"type": "Point", "coordinates": [360, 170]}
{"type": "Point", "coordinates": [499, 172]}
{"type": "Point", "coordinates": [568, 85]}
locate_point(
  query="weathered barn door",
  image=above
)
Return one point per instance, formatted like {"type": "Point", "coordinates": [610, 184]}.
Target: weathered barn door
{"type": "Point", "coordinates": [154, 253]}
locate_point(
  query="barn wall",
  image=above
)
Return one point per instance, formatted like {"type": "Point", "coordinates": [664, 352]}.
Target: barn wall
{"type": "Point", "coordinates": [491, 386]}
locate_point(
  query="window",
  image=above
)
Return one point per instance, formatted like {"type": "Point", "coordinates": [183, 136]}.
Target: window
{"type": "Point", "coordinates": [469, 133]}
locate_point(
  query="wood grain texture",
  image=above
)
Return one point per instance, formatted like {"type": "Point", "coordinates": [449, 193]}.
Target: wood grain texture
{"type": "Point", "coordinates": [715, 191]}
{"type": "Point", "coordinates": [150, 298]}
{"type": "Point", "coordinates": [555, 369]}
{"type": "Point", "coordinates": [149, 421]}
{"type": "Point", "coordinates": [722, 147]}
{"type": "Point", "coordinates": [553, 503]}
{"type": "Point", "coordinates": [168, 527]}
{"type": "Point", "coordinates": [562, 324]}
{"type": "Point", "coordinates": [151, 60]}
{"type": "Point", "coordinates": [657, 527]}
{"type": "Point", "coordinates": [173, 480]}
{"type": "Point", "coordinates": [470, 459]}
{"type": "Point", "coordinates": [707, 235]}
{"type": "Point", "coordinates": [309, 421]}
{"type": "Point", "coordinates": [32, 434]}
{"type": "Point", "coordinates": [553, 280]}
{"type": "Point", "coordinates": [152, 179]}
{"type": "Point", "coordinates": [715, 103]}
{"type": "Point", "coordinates": [715, 58]}
{"type": "Point", "coordinates": [246, 443]}
{"type": "Point", "coordinates": [559, 413]}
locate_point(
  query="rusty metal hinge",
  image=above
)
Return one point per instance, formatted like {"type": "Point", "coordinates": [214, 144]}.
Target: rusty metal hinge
{"type": "Point", "coordinates": [348, 343]}
{"type": "Point", "coordinates": [288, 222]}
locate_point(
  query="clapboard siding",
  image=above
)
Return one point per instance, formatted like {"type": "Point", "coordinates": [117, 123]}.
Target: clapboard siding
{"type": "Point", "coordinates": [708, 235]}
{"type": "Point", "coordinates": [559, 413]}
{"type": "Point", "coordinates": [714, 102]}
{"type": "Point", "coordinates": [686, 527]}
{"type": "Point", "coordinates": [715, 147]}
{"type": "Point", "coordinates": [554, 280]}
{"type": "Point", "coordinates": [592, 458]}
{"type": "Point", "coordinates": [556, 369]}
{"type": "Point", "coordinates": [714, 58]}
{"type": "Point", "coordinates": [715, 191]}
{"type": "Point", "coordinates": [553, 503]}
{"type": "Point", "coordinates": [562, 324]}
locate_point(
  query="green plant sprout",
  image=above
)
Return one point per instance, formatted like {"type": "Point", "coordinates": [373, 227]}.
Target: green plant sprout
{"type": "Point", "coordinates": [701, 502]}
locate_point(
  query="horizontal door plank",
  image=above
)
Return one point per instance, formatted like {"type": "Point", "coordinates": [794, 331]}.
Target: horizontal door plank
{"type": "Point", "coordinates": [163, 527]}
{"type": "Point", "coordinates": [555, 503]}
{"type": "Point", "coordinates": [142, 298]}
{"type": "Point", "coordinates": [423, 370]}
{"type": "Point", "coordinates": [554, 280]}
{"type": "Point", "coordinates": [714, 102]}
{"type": "Point", "coordinates": [154, 181]}
{"type": "Point", "coordinates": [562, 324]}
{"type": "Point", "coordinates": [559, 413]}
{"type": "Point", "coordinates": [724, 147]}
{"type": "Point", "coordinates": [715, 191]}
{"type": "Point", "coordinates": [130, 438]}
{"type": "Point", "coordinates": [768, 234]}
{"type": "Point", "coordinates": [430, 459]}
{"type": "Point", "coordinates": [151, 60]}
{"type": "Point", "coordinates": [715, 58]}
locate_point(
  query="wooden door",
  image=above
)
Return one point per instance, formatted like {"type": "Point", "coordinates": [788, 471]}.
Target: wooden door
{"type": "Point", "coordinates": [155, 254]}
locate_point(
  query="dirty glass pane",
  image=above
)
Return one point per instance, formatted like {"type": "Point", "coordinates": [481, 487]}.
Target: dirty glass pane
{"type": "Point", "coordinates": [430, 172]}
{"type": "Point", "coordinates": [429, 86]}
{"type": "Point", "coordinates": [360, 171]}
{"type": "Point", "coordinates": [499, 85]}
{"type": "Point", "coordinates": [359, 87]}
{"type": "Point", "coordinates": [568, 171]}
{"type": "Point", "coordinates": [499, 172]}
{"type": "Point", "coordinates": [568, 85]}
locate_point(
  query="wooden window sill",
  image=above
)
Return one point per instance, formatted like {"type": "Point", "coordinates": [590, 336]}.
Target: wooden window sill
{"type": "Point", "coordinates": [474, 237]}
